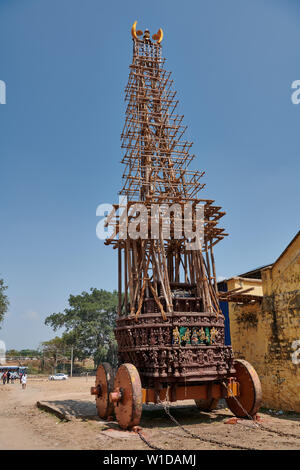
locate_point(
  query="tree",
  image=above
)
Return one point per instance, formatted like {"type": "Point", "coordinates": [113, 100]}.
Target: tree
{"type": "Point", "coordinates": [3, 301]}
{"type": "Point", "coordinates": [89, 323]}
{"type": "Point", "coordinates": [23, 353]}
{"type": "Point", "coordinates": [54, 352]}
{"type": "Point", "coordinates": [12, 353]}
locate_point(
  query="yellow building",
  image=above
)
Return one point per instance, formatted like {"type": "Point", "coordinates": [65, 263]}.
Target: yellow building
{"type": "Point", "coordinates": [266, 330]}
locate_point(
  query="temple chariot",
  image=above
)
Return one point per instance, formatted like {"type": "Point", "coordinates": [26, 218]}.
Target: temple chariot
{"type": "Point", "coordinates": [170, 328]}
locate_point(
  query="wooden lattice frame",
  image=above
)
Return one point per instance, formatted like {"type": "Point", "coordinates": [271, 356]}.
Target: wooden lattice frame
{"type": "Point", "coordinates": [156, 171]}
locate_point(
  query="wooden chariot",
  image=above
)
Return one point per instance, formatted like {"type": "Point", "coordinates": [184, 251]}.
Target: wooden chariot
{"type": "Point", "coordinates": [170, 328]}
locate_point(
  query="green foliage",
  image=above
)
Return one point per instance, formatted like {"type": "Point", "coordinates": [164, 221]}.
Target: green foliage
{"type": "Point", "coordinates": [54, 352]}
{"type": "Point", "coordinates": [12, 353]}
{"type": "Point", "coordinates": [33, 370]}
{"type": "Point", "coordinates": [3, 301]}
{"type": "Point", "coordinates": [23, 353]}
{"type": "Point", "coordinates": [89, 323]}
{"type": "Point", "coordinates": [53, 346]}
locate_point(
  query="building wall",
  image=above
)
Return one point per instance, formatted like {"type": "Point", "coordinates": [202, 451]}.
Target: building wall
{"type": "Point", "coordinates": [267, 334]}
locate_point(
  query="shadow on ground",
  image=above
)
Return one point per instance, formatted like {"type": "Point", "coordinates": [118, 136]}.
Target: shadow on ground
{"type": "Point", "coordinates": [155, 416]}
{"type": "Point", "coordinates": [152, 416]}
{"type": "Point", "coordinates": [82, 409]}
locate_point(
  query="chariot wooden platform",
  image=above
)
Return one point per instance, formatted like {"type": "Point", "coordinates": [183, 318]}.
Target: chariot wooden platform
{"type": "Point", "coordinates": [170, 328]}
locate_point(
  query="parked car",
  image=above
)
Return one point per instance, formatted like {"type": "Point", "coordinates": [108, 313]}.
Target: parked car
{"type": "Point", "coordinates": [59, 376]}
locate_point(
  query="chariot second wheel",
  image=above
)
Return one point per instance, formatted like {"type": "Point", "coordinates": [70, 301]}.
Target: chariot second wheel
{"type": "Point", "coordinates": [208, 404]}
{"type": "Point", "coordinates": [104, 385]}
{"type": "Point", "coordinates": [250, 391]}
{"type": "Point", "coordinates": [127, 396]}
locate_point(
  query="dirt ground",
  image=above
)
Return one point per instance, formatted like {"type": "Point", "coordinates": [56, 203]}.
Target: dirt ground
{"type": "Point", "coordinates": [24, 426]}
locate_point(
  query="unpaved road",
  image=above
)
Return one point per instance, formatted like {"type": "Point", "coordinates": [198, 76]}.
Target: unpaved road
{"type": "Point", "coordinates": [24, 426]}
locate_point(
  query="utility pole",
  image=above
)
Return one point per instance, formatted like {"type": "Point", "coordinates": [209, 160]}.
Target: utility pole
{"type": "Point", "coordinates": [55, 367]}
{"type": "Point", "coordinates": [71, 372]}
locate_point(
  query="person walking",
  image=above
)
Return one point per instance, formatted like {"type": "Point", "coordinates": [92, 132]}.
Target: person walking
{"type": "Point", "coordinates": [4, 378]}
{"type": "Point", "coordinates": [24, 381]}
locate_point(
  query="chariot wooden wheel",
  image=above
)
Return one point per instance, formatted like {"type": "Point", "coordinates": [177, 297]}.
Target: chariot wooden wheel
{"type": "Point", "coordinates": [104, 385]}
{"type": "Point", "coordinates": [250, 390]}
{"type": "Point", "coordinates": [127, 396]}
{"type": "Point", "coordinates": [208, 404]}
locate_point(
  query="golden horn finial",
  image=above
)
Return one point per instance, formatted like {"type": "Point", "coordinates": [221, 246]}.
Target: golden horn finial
{"type": "Point", "coordinates": [157, 37]}
{"type": "Point", "coordinates": [134, 32]}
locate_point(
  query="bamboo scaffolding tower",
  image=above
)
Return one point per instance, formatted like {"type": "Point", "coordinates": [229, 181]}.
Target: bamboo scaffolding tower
{"type": "Point", "coordinates": [156, 172]}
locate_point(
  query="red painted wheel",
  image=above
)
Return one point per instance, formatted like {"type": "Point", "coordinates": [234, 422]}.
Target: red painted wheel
{"type": "Point", "coordinates": [104, 385]}
{"type": "Point", "coordinates": [208, 404]}
{"type": "Point", "coordinates": [250, 390]}
{"type": "Point", "coordinates": [128, 409]}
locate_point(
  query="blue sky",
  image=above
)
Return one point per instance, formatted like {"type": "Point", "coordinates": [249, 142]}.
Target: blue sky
{"type": "Point", "coordinates": [65, 64]}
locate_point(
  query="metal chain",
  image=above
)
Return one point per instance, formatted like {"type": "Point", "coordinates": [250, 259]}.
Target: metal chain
{"type": "Point", "coordinates": [166, 408]}
{"type": "Point", "coordinates": [259, 425]}
{"type": "Point", "coordinates": [196, 436]}
{"type": "Point", "coordinates": [152, 446]}
{"type": "Point", "coordinates": [240, 405]}
{"type": "Point", "coordinates": [280, 433]}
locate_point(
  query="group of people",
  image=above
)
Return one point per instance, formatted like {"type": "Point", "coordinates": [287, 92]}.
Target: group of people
{"type": "Point", "coordinates": [10, 377]}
